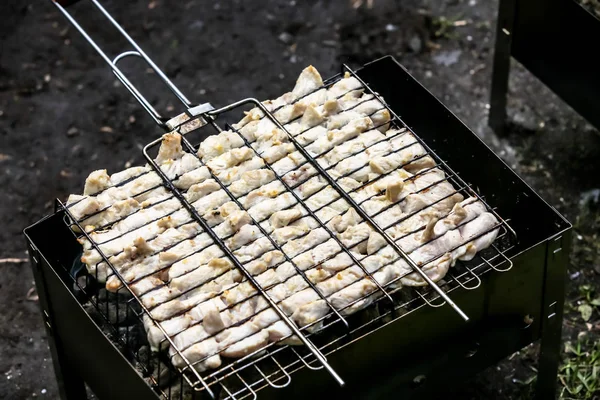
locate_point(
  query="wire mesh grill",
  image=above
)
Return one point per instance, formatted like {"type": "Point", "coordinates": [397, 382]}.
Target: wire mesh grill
{"type": "Point", "coordinates": [273, 364]}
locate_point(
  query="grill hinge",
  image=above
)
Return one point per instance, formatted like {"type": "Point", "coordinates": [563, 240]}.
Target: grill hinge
{"type": "Point", "coordinates": [47, 321]}
{"type": "Point", "coordinates": [554, 282]}
{"type": "Point", "coordinates": [34, 254]}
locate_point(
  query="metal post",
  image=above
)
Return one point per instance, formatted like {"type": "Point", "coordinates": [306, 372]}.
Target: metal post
{"type": "Point", "coordinates": [552, 314]}
{"type": "Point", "coordinates": [70, 384]}
{"type": "Point", "coordinates": [501, 66]}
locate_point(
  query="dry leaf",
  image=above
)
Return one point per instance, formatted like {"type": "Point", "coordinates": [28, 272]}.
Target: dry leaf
{"type": "Point", "coordinates": [32, 294]}
{"type": "Point", "coordinates": [433, 46]}
{"type": "Point", "coordinates": [586, 311]}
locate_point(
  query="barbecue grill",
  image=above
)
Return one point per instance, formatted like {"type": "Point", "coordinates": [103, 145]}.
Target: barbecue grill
{"type": "Point", "coordinates": [408, 342]}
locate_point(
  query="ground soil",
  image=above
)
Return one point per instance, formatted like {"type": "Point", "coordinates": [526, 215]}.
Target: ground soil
{"type": "Point", "coordinates": [62, 115]}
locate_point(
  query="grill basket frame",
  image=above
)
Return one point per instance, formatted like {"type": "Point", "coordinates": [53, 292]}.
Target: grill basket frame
{"type": "Point", "coordinates": [541, 256]}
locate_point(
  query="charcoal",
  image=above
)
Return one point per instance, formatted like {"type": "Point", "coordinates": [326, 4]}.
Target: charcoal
{"type": "Point", "coordinates": [122, 296]}
{"type": "Point", "coordinates": [118, 315]}
{"type": "Point", "coordinates": [143, 355]}
{"type": "Point", "coordinates": [93, 312]}
{"type": "Point", "coordinates": [160, 372]}
{"type": "Point", "coordinates": [115, 307]}
{"type": "Point", "coordinates": [132, 335]}
{"type": "Point", "coordinates": [180, 391]}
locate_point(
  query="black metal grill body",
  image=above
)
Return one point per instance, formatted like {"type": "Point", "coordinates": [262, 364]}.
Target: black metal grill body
{"type": "Point", "coordinates": [429, 348]}
{"type": "Point", "coordinates": [530, 31]}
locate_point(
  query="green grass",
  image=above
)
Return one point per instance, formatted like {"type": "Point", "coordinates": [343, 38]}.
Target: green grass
{"type": "Point", "coordinates": [579, 374]}
{"type": "Point", "coordinates": [444, 27]}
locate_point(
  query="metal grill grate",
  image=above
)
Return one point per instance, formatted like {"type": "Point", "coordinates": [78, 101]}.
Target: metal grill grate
{"type": "Point", "coordinates": [273, 365]}
{"type": "Point", "coordinates": [467, 279]}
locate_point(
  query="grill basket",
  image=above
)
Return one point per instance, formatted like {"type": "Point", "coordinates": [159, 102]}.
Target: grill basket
{"type": "Point", "coordinates": [119, 315]}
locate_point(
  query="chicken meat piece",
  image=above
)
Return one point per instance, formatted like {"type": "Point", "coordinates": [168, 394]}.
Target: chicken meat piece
{"type": "Point", "coordinates": [196, 294]}
{"type": "Point", "coordinates": [283, 281]}
{"type": "Point", "coordinates": [251, 180]}
{"type": "Point", "coordinates": [116, 249]}
{"type": "Point", "coordinates": [214, 146]}
{"type": "Point", "coordinates": [477, 228]}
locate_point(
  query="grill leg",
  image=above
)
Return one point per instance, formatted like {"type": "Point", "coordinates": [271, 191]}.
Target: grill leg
{"type": "Point", "coordinates": [552, 314]}
{"type": "Point", "coordinates": [501, 67]}
{"type": "Point", "coordinates": [70, 384]}
{"type": "Point", "coordinates": [549, 359]}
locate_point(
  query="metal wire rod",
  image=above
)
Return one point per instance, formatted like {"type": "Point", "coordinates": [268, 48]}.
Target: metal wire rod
{"type": "Point", "coordinates": [158, 119]}
{"type": "Point", "coordinates": [360, 211]}
{"type": "Point", "coordinates": [237, 263]}
{"type": "Point", "coordinates": [130, 291]}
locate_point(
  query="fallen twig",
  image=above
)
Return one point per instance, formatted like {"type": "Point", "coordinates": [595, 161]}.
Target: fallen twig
{"type": "Point", "coordinates": [13, 260]}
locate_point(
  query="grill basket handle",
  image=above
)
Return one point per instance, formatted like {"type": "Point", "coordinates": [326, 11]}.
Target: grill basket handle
{"type": "Point", "coordinates": [136, 52]}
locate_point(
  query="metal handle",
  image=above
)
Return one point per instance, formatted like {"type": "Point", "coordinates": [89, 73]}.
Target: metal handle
{"type": "Point", "coordinates": [137, 52]}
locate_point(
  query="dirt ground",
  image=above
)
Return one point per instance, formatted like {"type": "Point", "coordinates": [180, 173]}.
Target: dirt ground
{"type": "Point", "coordinates": [62, 115]}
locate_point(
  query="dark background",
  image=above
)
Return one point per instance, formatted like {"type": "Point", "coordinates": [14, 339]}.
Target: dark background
{"type": "Point", "coordinates": [63, 115]}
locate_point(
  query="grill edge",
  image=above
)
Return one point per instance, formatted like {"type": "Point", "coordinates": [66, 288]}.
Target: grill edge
{"type": "Point", "coordinates": [531, 255]}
